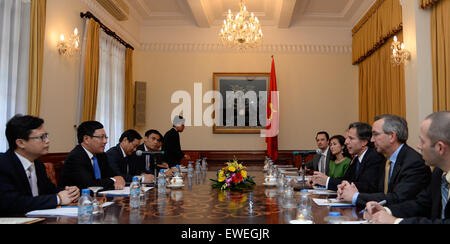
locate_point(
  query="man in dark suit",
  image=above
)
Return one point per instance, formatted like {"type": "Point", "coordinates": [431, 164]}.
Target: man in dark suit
{"type": "Point", "coordinates": [405, 173]}
{"type": "Point", "coordinates": [171, 146]}
{"type": "Point", "coordinates": [364, 170]}
{"type": "Point", "coordinates": [146, 163]}
{"type": "Point", "coordinates": [87, 164]}
{"type": "Point", "coordinates": [431, 206]}
{"type": "Point", "coordinates": [321, 162]}
{"type": "Point", "coordinates": [24, 185]}
{"type": "Point", "coordinates": [120, 157]}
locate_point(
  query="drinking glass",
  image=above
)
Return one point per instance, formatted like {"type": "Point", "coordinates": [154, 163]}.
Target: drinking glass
{"type": "Point", "coordinates": [96, 206]}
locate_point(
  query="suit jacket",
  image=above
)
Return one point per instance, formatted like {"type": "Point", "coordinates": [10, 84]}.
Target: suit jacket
{"type": "Point", "coordinates": [78, 170]}
{"type": "Point", "coordinates": [314, 163]}
{"type": "Point", "coordinates": [123, 166]}
{"type": "Point", "coordinates": [409, 177]}
{"type": "Point", "coordinates": [172, 148]}
{"type": "Point", "coordinates": [427, 207]}
{"type": "Point", "coordinates": [15, 190]}
{"type": "Point", "coordinates": [141, 162]}
{"type": "Point", "coordinates": [366, 180]}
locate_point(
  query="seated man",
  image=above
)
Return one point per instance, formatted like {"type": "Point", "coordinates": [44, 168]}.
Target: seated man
{"type": "Point", "coordinates": [24, 185]}
{"type": "Point", "coordinates": [87, 164]}
{"type": "Point", "coordinates": [152, 143]}
{"type": "Point", "coordinates": [364, 170]}
{"type": "Point", "coordinates": [119, 157]}
{"type": "Point", "coordinates": [432, 205]}
{"type": "Point", "coordinates": [321, 162]}
{"type": "Point", "coordinates": [405, 173]}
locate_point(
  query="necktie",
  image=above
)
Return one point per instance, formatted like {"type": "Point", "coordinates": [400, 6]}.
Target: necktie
{"type": "Point", "coordinates": [33, 181]}
{"type": "Point", "coordinates": [147, 162]}
{"type": "Point", "coordinates": [97, 173]}
{"type": "Point", "coordinates": [444, 192]}
{"type": "Point", "coordinates": [358, 165]}
{"type": "Point", "coordinates": [387, 170]}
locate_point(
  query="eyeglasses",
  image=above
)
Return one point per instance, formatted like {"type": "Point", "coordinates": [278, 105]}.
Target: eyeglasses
{"type": "Point", "coordinates": [102, 137]}
{"type": "Point", "coordinates": [154, 138]}
{"type": "Point", "coordinates": [42, 138]}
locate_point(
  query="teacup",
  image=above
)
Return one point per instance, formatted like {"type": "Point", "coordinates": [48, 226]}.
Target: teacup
{"type": "Point", "coordinates": [270, 180]}
{"type": "Point", "coordinates": [176, 181]}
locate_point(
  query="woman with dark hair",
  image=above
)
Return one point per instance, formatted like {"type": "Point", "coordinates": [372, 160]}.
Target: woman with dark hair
{"type": "Point", "coordinates": [340, 157]}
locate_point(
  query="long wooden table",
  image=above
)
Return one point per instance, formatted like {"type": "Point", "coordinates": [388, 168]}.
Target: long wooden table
{"type": "Point", "coordinates": [198, 203]}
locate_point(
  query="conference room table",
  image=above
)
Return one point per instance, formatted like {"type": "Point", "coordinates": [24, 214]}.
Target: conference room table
{"type": "Point", "coordinates": [199, 203]}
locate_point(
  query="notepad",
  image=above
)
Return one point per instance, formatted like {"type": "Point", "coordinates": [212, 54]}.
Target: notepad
{"type": "Point", "coordinates": [322, 192]}
{"type": "Point", "coordinates": [121, 193]}
{"type": "Point", "coordinates": [65, 212]}
{"type": "Point", "coordinates": [331, 202]}
{"type": "Point", "coordinates": [15, 221]}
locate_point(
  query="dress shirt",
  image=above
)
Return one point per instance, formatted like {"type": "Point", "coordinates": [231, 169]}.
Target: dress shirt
{"type": "Point", "coordinates": [30, 171]}
{"type": "Point", "coordinates": [360, 158]}
{"type": "Point", "coordinates": [393, 159]}
{"type": "Point", "coordinates": [399, 220]}
{"type": "Point", "coordinates": [90, 155]}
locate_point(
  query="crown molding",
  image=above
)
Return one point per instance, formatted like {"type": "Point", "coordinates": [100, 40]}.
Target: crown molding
{"type": "Point", "coordinates": [272, 48]}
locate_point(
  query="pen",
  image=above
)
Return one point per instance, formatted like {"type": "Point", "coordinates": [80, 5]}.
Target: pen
{"type": "Point", "coordinates": [382, 203]}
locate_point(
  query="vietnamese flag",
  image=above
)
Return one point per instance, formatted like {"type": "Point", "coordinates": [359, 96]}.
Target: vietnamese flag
{"type": "Point", "coordinates": [272, 128]}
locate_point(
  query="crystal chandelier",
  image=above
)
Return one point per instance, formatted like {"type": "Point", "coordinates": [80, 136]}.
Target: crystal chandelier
{"type": "Point", "coordinates": [399, 53]}
{"type": "Point", "coordinates": [241, 31]}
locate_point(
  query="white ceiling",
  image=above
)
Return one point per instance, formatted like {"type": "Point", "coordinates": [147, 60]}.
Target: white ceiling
{"type": "Point", "coordinates": [277, 13]}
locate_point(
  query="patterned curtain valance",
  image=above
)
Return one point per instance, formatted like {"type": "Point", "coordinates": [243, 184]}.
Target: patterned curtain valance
{"type": "Point", "coordinates": [426, 4]}
{"type": "Point", "coordinates": [382, 21]}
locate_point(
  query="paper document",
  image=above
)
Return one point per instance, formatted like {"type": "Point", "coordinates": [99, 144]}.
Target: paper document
{"type": "Point", "coordinates": [124, 192]}
{"type": "Point", "coordinates": [64, 211]}
{"type": "Point", "coordinates": [322, 192]}
{"type": "Point", "coordinates": [14, 221]}
{"type": "Point", "coordinates": [332, 202]}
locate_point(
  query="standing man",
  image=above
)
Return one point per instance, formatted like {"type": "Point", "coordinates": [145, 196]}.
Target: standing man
{"type": "Point", "coordinates": [431, 205]}
{"type": "Point", "coordinates": [171, 146]}
{"type": "Point", "coordinates": [364, 170]}
{"type": "Point", "coordinates": [119, 157]}
{"type": "Point", "coordinates": [405, 173]}
{"type": "Point", "coordinates": [321, 162]}
{"type": "Point", "coordinates": [87, 164]}
{"type": "Point", "coordinates": [24, 185]}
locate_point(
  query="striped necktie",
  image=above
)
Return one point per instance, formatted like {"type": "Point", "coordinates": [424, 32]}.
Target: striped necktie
{"type": "Point", "coordinates": [444, 192]}
{"type": "Point", "coordinates": [97, 172]}
{"type": "Point", "coordinates": [387, 170]}
{"type": "Point", "coordinates": [33, 181]}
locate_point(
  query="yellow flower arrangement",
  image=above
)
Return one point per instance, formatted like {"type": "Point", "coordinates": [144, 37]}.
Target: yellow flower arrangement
{"type": "Point", "coordinates": [233, 176]}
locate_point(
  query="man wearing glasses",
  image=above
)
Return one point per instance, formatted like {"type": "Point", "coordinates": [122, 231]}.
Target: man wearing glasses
{"type": "Point", "coordinates": [87, 164]}
{"type": "Point", "coordinates": [24, 184]}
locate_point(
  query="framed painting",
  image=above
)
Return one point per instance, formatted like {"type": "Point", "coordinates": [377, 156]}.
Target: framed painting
{"type": "Point", "coordinates": [243, 102]}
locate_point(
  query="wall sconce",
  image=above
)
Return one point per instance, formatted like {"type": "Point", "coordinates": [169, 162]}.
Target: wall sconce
{"type": "Point", "coordinates": [70, 46]}
{"type": "Point", "coordinates": [399, 53]}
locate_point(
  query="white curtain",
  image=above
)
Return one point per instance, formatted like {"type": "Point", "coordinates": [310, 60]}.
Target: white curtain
{"type": "Point", "coordinates": [111, 88]}
{"type": "Point", "coordinates": [14, 54]}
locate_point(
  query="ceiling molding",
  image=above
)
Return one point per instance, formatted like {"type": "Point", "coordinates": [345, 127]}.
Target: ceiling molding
{"type": "Point", "coordinates": [286, 13]}
{"type": "Point", "coordinates": [270, 48]}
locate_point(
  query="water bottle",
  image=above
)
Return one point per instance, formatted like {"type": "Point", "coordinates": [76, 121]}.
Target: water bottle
{"type": "Point", "coordinates": [190, 169]}
{"type": "Point", "coordinates": [304, 201]}
{"type": "Point", "coordinates": [177, 171]}
{"type": "Point", "coordinates": [161, 181]}
{"type": "Point", "coordinates": [197, 166]}
{"type": "Point", "coordinates": [204, 165]}
{"type": "Point", "coordinates": [135, 193]}
{"type": "Point", "coordinates": [85, 208]}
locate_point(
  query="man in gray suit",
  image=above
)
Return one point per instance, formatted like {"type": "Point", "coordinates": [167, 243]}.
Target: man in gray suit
{"type": "Point", "coordinates": [321, 162]}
